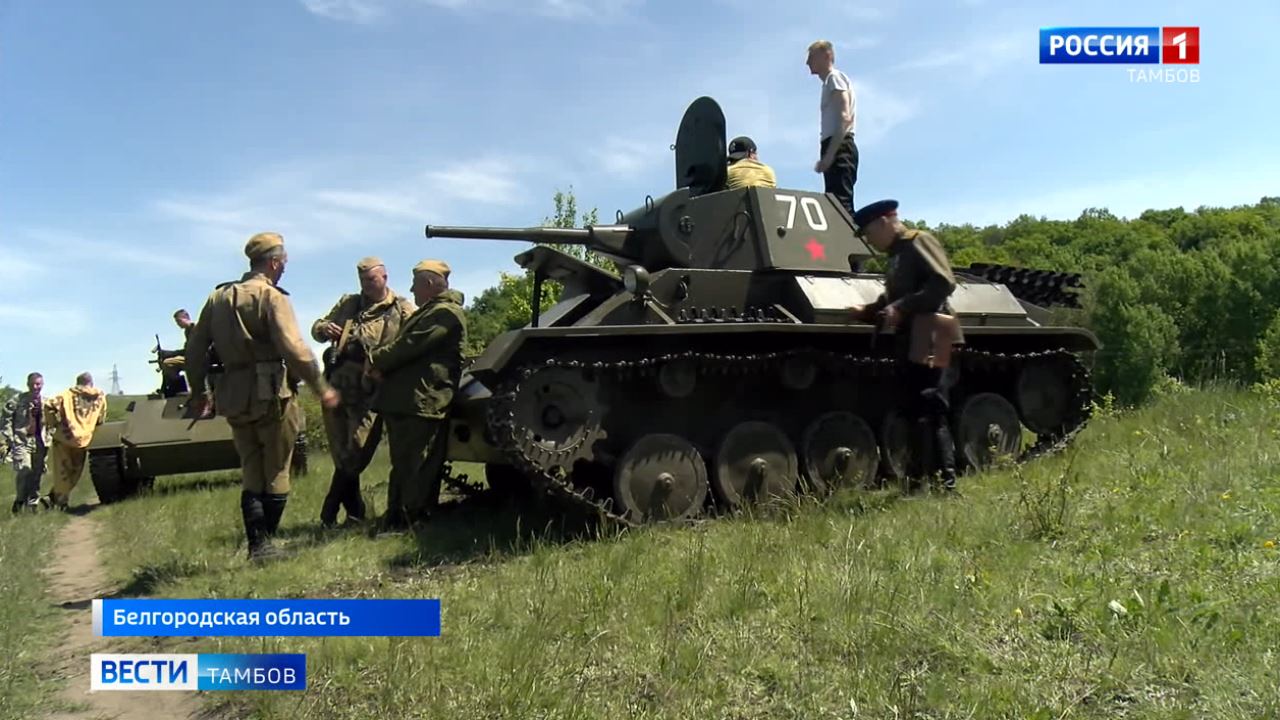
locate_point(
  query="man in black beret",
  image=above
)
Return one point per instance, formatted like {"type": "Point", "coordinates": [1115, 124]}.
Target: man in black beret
{"type": "Point", "coordinates": [917, 284]}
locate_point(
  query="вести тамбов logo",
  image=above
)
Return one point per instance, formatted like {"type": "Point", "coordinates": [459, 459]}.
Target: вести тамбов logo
{"type": "Point", "coordinates": [1174, 51]}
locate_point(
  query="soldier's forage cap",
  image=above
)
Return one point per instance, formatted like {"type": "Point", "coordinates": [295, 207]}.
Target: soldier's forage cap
{"type": "Point", "coordinates": [868, 214]}
{"type": "Point", "coordinates": [438, 267]}
{"type": "Point", "coordinates": [368, 263]}
{"type": "Point", "coordinates": [740, 146]}
{"type": "Point", "coordinates": [261, 243]}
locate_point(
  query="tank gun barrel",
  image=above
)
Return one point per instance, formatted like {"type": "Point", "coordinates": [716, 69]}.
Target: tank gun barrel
{"type": "Point", "coordinates": [605, 237]}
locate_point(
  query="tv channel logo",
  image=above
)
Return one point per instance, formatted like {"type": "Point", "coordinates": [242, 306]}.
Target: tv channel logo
{"type": "Point", "coordinates": [1120, 45]}
{"type": "Point", "coordinates": [205, 671]}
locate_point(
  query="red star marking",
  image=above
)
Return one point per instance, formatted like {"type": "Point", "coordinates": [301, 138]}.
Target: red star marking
{"type": "Point", "coordinates": [816, 250]}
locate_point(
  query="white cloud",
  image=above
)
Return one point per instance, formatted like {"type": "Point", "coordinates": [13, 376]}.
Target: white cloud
{"type": "Point", "coordinates": [18, 269]}
{"type": "Point", "coordinates": [619, 155]}
{"type": "Point", "coordinates": [366, 11]}
{"type": "Point", "coordinates": [599, 10]}
{"type": "Point", "coordinates": [1218, 185]}
{"type": "Point", "coordinates": [978, 56]}
{"type": "Point", "coordinates": [487, 180]}
{"type": "Point", "coordinates": [313, 211]}
{"type": "Point", "coordinates": [158, 253]}
{"type": "Point", "coordinates": [43, 319]}
{"type": "Point", "coordinates": [359, 11]}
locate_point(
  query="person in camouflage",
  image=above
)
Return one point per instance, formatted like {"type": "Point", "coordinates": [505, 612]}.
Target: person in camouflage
{"type": "Point", "coordinates": [357, 324]}
{"type": "Point", "coordinates": [420, 371]}
{"type": "Point", "coordinates": [27, 437]}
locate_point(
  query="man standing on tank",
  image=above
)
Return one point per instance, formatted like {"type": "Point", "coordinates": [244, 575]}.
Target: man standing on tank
{"type": "Point", "coordinates": [420, 371]}
{"type": "Point", "coordinates": [251, 324]}
{"type": "Point", "coordinates": [838, 154]}
{"type": "Point", "coordinates": [917, 284]}
{"type": "Point", "coordinates": [357, 323]}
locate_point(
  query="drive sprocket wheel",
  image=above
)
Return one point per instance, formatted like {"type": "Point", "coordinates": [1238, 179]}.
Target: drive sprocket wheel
{"type": "Point", "coordinates": [660, 477]}
{"type": "Point", "coordinates": [987, 421]}
{"type": "Point", "coordinates": [839, 449]}
{"type": "Point", "coordinates": [755, 460]}
{"type": "Point", "coordinates": [558, 415]}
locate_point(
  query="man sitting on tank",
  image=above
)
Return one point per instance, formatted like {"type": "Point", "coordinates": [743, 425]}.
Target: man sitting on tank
{"type": "Point", "coordinates": [745, 168]}
{"type": "Point", "coordinates": [172, 361]}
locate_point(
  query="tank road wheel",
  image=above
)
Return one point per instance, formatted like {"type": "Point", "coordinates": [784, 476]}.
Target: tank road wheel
{"type": "Point", "coordinates": [1044, 397]}
{"type": "Point", "coordinates": [106, 470]}
{"type": "Point", "coordinates": [557, 417]}
{"type": "Point", "coordinates": [839, 449]}
{"type": "Point", "coordinates": [755, 460]}
{"type": "Point", "coordinates": [661, 477]}
{"type": "Point", "coordinates": [987, 421]}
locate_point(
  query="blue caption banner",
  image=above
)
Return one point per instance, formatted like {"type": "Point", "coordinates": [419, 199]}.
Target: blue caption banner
{"type": "Point", "coordinates": [1105, 45]}
{"type": "Point", "coordinates": [266, 618]}
{"type": "Point", "coordinates": [205, 671]}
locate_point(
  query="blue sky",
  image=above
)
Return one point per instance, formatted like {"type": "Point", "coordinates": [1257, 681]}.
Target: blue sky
{"type": "Point", "coordinates": [141, 143]}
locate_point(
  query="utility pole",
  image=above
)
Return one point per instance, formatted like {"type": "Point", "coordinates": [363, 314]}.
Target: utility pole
{"type": "Point", "coordinates": [115, 381]}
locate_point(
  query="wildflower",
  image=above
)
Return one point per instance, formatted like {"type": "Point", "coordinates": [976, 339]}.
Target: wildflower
{"type": "Point", "coordinates": [1269, 544]}
{"type": "Point", "coordinates": [1226, 495]}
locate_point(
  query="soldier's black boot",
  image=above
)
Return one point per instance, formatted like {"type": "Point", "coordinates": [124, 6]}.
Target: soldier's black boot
{"type": "Point", "coordinates": [333, 500]}
{"type": "Point", "coordinates": [255, 524]}
{"type": "Point", "coordinates": [273, 510]}
{"type": "Point", "coordinates": [946, 449]}
{"type": "Point", "coordinates": [352, 500]}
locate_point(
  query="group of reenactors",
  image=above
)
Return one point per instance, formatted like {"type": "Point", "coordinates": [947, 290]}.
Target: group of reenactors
{"type": "Point", "coordinates": [392, 364]}
{"type": "Point", "coordinates": [53, 433]}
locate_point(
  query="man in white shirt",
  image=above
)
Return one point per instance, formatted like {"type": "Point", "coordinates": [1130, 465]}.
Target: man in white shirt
{"type": "Point", "coordinates": [838, 155]}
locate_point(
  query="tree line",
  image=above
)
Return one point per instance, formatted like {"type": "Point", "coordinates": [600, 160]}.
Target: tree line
{"type": "Point", "coordinates": [1171, 294]}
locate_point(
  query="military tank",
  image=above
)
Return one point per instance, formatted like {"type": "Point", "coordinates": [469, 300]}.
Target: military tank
{"type": "Point", "coordinates": [160, 437]}
{"type": "Point", "coordinates": [721, 366]}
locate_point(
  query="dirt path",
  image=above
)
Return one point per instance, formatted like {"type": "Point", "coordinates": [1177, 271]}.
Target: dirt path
{"type": "Point", "coordinates": [75, 578]}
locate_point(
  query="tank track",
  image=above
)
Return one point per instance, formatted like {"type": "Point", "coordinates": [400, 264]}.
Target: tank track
{"type": "Point", "coordinates": [536, 464]}
{"type": "Point", "coordinates": [1041, 287]}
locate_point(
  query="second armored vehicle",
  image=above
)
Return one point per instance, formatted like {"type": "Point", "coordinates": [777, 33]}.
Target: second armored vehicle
{"type": "Point", "coordinates": [159, 437]}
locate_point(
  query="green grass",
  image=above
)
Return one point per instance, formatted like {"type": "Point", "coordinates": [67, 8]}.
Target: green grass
{"type": "Point", "coordinates": [28, 619]}
{"type": "Point", "coordinates": [30, 624]}
{"type": "Point", "coordinates": [1136, 577]}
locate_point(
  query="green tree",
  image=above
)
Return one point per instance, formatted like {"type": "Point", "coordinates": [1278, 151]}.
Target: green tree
{"type": "Point", "coordinates": [508, 305]}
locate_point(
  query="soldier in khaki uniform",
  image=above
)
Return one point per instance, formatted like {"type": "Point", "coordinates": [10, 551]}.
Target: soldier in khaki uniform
{"type": "Point", "coordinates": [357, 323]}
{"type": "Point", "coordinates": [420, 371]}
{"type": "Point", "coordinates": [917, 284]}
{"type": "Point", "coordinates": [251, 325]}
{"type": "Point", "coordinates": [172, 361]}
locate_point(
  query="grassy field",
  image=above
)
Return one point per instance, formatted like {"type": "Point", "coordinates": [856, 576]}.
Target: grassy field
{"type": "Point", "coordinates": [1137, 577]}
{"type": "Point", "coordinates": [29, 623]}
